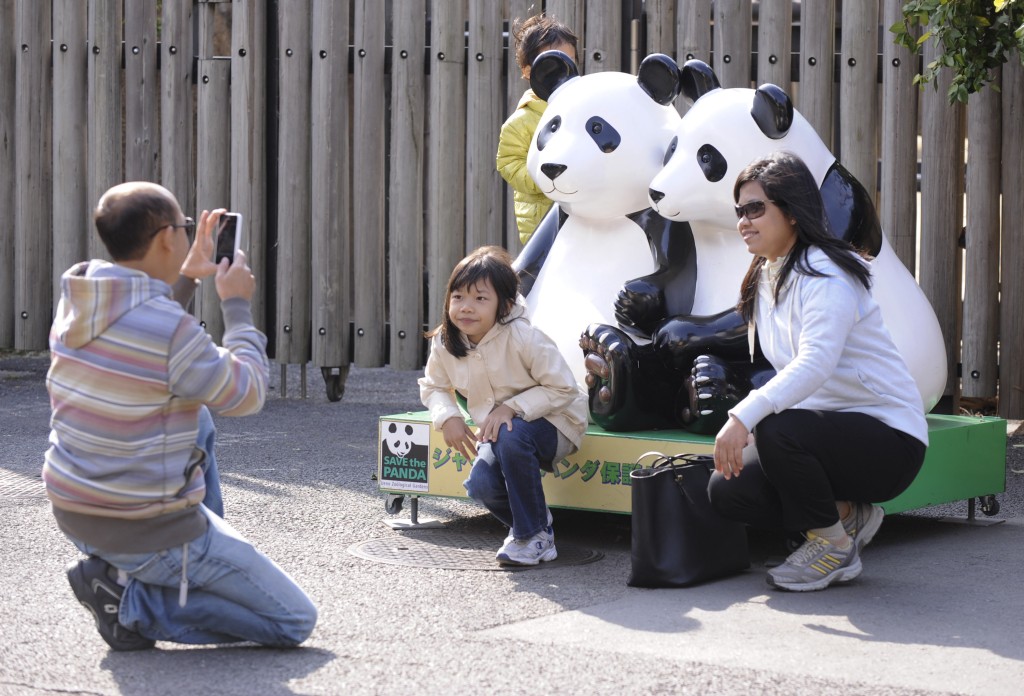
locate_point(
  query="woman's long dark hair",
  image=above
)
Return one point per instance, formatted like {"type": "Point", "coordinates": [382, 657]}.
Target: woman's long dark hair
{"type": "Point", "coordinates": [486, 263]}
{"type": "Point", "coordinates": [789, 184]}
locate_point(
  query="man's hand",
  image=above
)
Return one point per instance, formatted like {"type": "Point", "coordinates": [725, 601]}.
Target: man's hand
{"type": "Point", "coordinates": [491, 425]}
{"type": "Point", "coordinates": [458, 435]}
{"type": "Point", "coordinates": [235, 279]}
{"type": "Point", "coordinates": [199, 262]}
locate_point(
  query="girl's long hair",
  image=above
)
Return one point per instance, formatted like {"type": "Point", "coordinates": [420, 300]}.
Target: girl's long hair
{"type": "Point", "coordinates": [491, 263]}
{"type": "Point", "coordinates": [789, 184]}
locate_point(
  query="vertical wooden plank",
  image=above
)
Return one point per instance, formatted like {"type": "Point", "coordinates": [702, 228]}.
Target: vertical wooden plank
{"type": "Point", "coordinates": [981, 260]}
{"type": "Point", "coordinates": [732, 40]}
{"type": "Point", "coordinates": [693, 31]}
{"type": "Point", "coordinates": [32, 188]}
{"type": "Point", "coordinates": [368, 187]}
{"type": "Point", "coordinates": [515, 86]}
{"type": "Point", "coordinates": [774, 41]}
{"type": "Point", "coordinates": [331, 201]}
{"type": "Point", "coordinates": [446, 175]}
{"type": "Point", "coordinates": [858, 93]}
{"type": "Point", "coordinates": [141, 91]}
{"type": "Point", "coordinates": [1011, 315]}
{"type": "Point", "coordinates": [213, 150]}
{"type": "Point", "coordinates": [817, 49]}
{"type": "Point", "coordinates": [70, 207]}
{"type": "Point", "coordinates": [485, 114]}
{"type": "Point", "coordinates": [177, 130]}
{"type": "Point", "coordinates": [693, 37]}
{"type": "Point", "coordinates": [104, 78]}
{"type": "Point", "coordinates": [898, 192]}
{"type": "Point", "coordinates": [571, 13]}
{"type": "Point", "coordinates": [603, 36]}
{"type": "Point", "coordinates": [660, 22]}
{"type": "Point", "coordinates": [249, 139]}
{"type": "Point", "coordinates": [293, 174]}
{"type": "Point", "coordinates": [405, 210]}
{"type": "Point", "coordinates": [942, 167]}
{"type": "Point", "coordinates": [8, 53]}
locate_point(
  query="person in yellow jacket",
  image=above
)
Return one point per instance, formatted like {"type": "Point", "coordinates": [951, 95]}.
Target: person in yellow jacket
{"type": "Point", "coordinates": [534, 36]}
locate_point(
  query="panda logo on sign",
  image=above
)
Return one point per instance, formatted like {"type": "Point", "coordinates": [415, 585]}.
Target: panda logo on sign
{"type": "Point", "coordinates": [398, 438]}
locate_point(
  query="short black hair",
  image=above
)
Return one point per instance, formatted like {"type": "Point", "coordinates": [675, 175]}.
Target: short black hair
{"type": "Point", "coordinates": [538, 34]}
{"type": "Point", "coordinates": [127, 216]}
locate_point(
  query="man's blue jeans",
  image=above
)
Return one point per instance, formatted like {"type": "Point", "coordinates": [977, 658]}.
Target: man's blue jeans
{"type": "Point", "coordinates": [505, 477]}
{"type": "Point", "coordinates": [235, 592]}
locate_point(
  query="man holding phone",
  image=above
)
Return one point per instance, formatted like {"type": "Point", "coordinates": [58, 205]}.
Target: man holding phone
{"type": "Point", "coordinates": [130, 471]}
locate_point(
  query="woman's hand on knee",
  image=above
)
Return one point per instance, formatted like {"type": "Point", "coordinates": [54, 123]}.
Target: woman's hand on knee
{"type": "Point", "coordinates": [729, 444]}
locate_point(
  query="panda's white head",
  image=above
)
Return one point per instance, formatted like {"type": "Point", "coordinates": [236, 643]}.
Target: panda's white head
{"type": "Point", "coordinates": [603, 136]}
{"type": "Point", "coordinates": [398, 437]}
{"type": "Point", "coordinates": [725, 130]}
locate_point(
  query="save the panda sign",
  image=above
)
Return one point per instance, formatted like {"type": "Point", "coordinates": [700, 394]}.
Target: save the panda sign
{"type": "Point", "coordinates": [403, 456]}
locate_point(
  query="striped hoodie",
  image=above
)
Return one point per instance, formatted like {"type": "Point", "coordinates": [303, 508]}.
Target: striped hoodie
{"type": "Point", "coordinates": [129, 371]}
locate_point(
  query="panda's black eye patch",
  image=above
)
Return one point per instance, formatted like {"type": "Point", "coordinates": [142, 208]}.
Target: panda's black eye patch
{"type": "Point", "coordinates": [712, 163]}
{"type": "Point", "coordinates": [606, 137]}
{"type": "Point", "coordinates": [545, 132]}
{"type": "Point", "coordinates": [671, 150]}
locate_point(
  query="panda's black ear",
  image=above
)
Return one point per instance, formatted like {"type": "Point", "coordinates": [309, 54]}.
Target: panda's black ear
{"type": "Point", "coordinates": [772, 111]}
{"type": "Point", "coordinates": [659, 77]}
{"type": "Point", "coordinates": [697, 79]}
{"type": "Point", "coordinates": [549, 71]}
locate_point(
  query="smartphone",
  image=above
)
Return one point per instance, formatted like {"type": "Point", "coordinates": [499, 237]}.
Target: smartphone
{"type": "Point", "coordinates": [229, 236]}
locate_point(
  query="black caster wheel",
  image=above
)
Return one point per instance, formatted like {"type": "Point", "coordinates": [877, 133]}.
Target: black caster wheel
{"type": "Point", "coordinates": [393, 504]}
{"type": "Point", "coordinates": [334, 379]}
{"type": "Point", "coordinates": [989, 505]}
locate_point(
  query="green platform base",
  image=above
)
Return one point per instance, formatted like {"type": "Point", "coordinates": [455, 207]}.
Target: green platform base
{"type": "Point", "coordinates": [966, 459]}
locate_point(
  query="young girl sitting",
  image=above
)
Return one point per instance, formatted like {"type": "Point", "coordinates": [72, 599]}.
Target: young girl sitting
{"type": "Point", "coordinates": [534, 36]}
{"type": "Point", "coordinates": [520, 392]}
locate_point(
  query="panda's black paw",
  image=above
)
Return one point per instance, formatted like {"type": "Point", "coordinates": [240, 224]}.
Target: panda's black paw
{"type": "Point", "coordinates": [618, 385]}
{"type": "Point", "coordinates": [606, 353]}
{"type": "Point", "coordinates": [712, 388]}
{"type": "Point", "coordinates": [641, 305]}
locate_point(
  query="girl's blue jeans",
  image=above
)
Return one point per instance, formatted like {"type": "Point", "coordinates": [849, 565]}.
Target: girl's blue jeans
{"type": "Point", "coordinates": [505, 477]}
{"type": "Point", "coordinates": [235, 592]}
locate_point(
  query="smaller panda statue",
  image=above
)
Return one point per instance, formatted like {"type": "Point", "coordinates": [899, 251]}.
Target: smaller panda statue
{"type": "Point", "coordinates": [704, 361]}
{"type": "Point", "coordinates": [601, 140]}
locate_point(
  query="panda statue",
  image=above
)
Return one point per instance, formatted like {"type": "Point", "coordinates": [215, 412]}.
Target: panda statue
{"type": "Point", "coordinates": [601, 140]}
{"type": "Point", "coordinates": [704, 359]}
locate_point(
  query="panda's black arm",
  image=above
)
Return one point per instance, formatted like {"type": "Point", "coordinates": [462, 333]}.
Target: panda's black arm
{"type": "Point", "coordinates": [643, 303]}
{"type": "Point", "coordinates": [531, 259]}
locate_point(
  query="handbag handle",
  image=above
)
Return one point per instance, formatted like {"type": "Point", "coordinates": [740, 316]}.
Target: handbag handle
{"type": "Point", "coordinates": [685, 459]}
{"type": "Point", "coordinates": [680, 461]}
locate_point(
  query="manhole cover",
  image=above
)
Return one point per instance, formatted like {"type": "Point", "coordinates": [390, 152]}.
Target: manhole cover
{"type": "Point", "coordinates": [15, 485]}
{"type": "Point", "coordinates": [442, 548]}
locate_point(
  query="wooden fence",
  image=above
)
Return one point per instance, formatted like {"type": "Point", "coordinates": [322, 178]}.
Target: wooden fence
{"type": "Point", "coordinates": [357, 137]}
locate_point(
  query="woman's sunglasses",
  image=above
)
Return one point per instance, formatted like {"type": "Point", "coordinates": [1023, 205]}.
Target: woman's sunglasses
{"type": "Point", "coordinates": [751, 210]}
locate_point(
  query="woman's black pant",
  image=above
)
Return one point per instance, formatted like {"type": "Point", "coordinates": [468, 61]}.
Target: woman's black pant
{"type": "Point", "coordinates": [804, 461]}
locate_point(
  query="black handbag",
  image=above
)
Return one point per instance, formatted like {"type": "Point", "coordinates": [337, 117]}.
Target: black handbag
{"type": "Point", "coordinates": [678, 539]}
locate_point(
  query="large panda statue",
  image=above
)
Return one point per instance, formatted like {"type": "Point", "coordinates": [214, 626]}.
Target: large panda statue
{"type": "Point", "coordinates": [723, 131]}
{"type": "Point", "coordinates": [601, 140]}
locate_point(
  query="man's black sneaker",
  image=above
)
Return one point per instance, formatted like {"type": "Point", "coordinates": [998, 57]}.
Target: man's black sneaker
{"type": "Point", "coordinates": [102, 597]}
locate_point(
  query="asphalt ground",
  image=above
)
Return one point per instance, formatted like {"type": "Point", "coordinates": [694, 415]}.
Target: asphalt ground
{"type": "Point", "coordinates": [937, 610]}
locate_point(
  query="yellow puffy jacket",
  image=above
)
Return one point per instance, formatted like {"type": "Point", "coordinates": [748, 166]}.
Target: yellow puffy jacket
{"type": "Point", "coordinates": [516, 133]}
